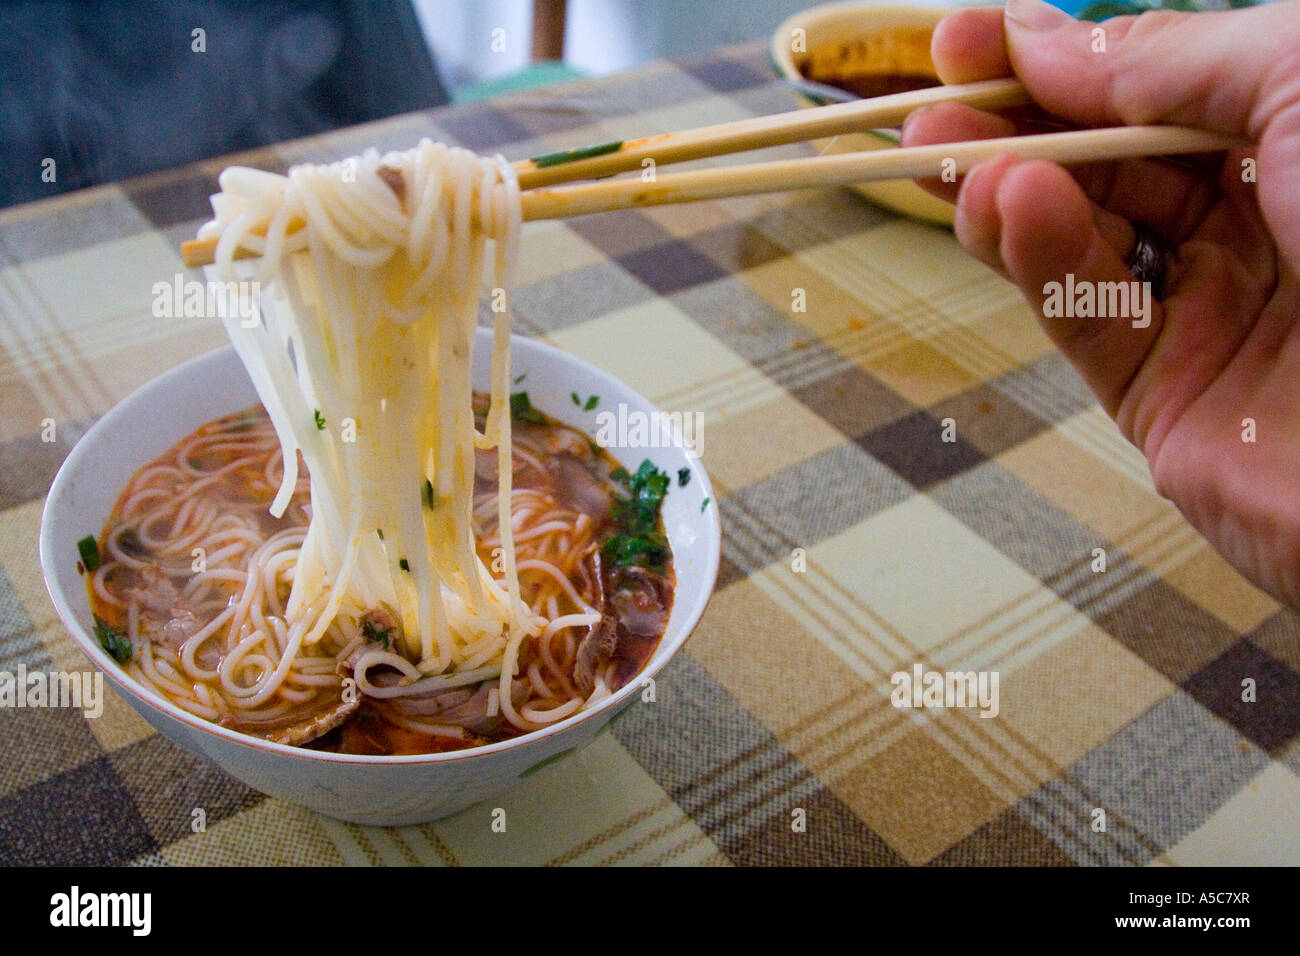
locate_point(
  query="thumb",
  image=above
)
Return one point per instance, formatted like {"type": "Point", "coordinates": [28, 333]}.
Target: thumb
{"type": "Point", "coordinates": [1047, 238]}
{"type": "Point", "coordinates": [1224, 71]}
{"type": "Point", "coordinates": [1235, 72]}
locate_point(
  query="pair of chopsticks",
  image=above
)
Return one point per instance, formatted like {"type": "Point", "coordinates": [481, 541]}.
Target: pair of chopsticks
{"type": "Point", "coordinates": [544, 198]}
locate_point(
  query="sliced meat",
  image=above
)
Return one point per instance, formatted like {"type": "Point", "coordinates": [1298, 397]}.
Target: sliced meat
{"type": "Point", "coordinates": [641, 599]}
{"type": "Point", "coordinates": [635, 604]}
{"type": "Point", "coordinates": [595, 651]}
{"type": "Point", "coordinates": [459, 707]}
{"type": "Point", "coordinates": [155, 593]}
{"type": "Point", "coordinates": [485, 469]}
{"type": "Point", "coordinates": [380, 630]}
{"type": "Point", "coordinates": [396, 182]}
{"type": "Point", "coordinates": [301, 724]}
{"type": "Point", "coordinates": [578, 488]}
{"type": "Point", "coordinates": [566, 441]}
{"type": "Point", "coordinates": [177, 630]}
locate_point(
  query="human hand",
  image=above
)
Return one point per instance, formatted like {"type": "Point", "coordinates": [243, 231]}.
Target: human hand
{"type": "Point", "coordinates": [1224, 344]}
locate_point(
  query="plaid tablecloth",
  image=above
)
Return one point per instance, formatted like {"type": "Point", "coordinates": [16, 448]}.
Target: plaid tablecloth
{"type": "Point", "coordinates": [857, 544]}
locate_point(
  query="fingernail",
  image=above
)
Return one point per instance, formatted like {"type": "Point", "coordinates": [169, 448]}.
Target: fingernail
{"type": "Point", "coordinates": [907, 120]}
{"type": "Point", "coordinates": [1036, 15]}
{"type": "Point", "coordinates": [969, 181]}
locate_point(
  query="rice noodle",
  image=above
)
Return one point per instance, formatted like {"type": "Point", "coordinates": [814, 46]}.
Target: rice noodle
{"type": "Point", "coordinates": [378, 308]}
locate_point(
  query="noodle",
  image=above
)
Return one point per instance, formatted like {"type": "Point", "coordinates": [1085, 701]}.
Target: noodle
{"type": "Point", "coordinates": [335, 309]}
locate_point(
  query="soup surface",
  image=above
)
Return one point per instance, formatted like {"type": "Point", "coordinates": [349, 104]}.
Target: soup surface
{"type": "Point", "coordinates": [190, 581]}
{"type": "Point", "coordinates": [892, 60]}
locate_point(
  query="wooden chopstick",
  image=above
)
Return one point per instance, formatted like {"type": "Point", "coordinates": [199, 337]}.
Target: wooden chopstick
{"type": "Point", "coordinates": [916, 162]}
{"type": "Point", "coordinates": [775, 130]}
{"type": "Point", "coordinates": [723, 138]}
{"type": "Point", "coordinates": [543, 199]}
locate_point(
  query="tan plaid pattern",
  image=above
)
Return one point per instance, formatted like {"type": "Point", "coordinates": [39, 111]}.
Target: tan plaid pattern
{"type": "Point", "coordinates": [857, 544]}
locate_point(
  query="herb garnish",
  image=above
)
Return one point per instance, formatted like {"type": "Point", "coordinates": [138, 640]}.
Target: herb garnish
{"type": "Point", "coordinates": [320, 419]}
{"type": "Point", "coordinates": [373, 633]}
{"type": "Point", "coordinates": [521, 410]}
{"type": "Point", "coordinates": [592, 402]}
{"type": "Point", "coordinates": [115, 643]}
{"type": "Point", "coordinates": [427, 494]}
{"type": "Point", "coordinates": [683, 477]}
{"type": "Point", "coordinates": [380, 532]}
{"type": "Point", "coordinates": [570, 155]}
{"type": "Point", "coordinates": [404, 564]}
{"type": "Point", "coordinates": [89, 552]}
{"type": "Point", "coordinates": [638, 540]}
{"type": "Point", "coordinates": [704, 504]}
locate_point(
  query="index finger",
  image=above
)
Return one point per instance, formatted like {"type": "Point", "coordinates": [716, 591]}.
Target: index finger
{"type": "Point", "coordinates": [970, 45]}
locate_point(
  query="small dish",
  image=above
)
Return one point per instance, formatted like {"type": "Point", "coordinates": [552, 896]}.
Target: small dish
{"type": "Point", "coordinates": [819, 27]}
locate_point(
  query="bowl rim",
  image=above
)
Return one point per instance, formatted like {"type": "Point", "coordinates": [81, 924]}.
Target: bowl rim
{"type": "Point", "coordinates": [668, 648]}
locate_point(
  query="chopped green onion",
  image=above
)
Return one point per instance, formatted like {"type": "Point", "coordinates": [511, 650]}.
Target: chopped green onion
{"type": "Point", "coordinates": [372, 632]}
{"type": "Point", "coordinates": [320, 419]}
{"type": "Point", "coordinates": [638, 540]}
{"type": "Point", "coordinates": [89, 551]}
{"type": "Point", "coordinates": [683, 477]}
{"type": "Point", "coordinates": [427, 493]}
{"type": "Point", "coordinates": [592, 402]}
{"type": "Point", "coordinates": [521, 410]}
{"type": "Point", "coordinates": [380, 532]}
{"type": "Point", "coordinates": [404, 564]}
{"type": "Point", "coordinates": [115, 643]}
{"type": "Point", "coordinates": [704, 504]}
{"type": "Point", "coordinates": [571, 155]}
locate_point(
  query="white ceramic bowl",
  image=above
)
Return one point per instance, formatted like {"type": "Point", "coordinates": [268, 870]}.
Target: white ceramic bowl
{"type": "Point", "coordinates": [387, 791]}
{"type": "Point", "coordinates": [836, 22]}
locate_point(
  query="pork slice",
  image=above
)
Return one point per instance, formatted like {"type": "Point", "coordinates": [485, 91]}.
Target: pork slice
{"type": "Point", "coordinates": [578, 488]}
{"type": "Point", "coordinates": [299, 725]}
{"type": "Point", "coordinates": [595, 651]}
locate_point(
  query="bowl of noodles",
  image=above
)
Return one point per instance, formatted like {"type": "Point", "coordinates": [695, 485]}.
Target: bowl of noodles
{"type": "Point", "coordinates": [374, 559]}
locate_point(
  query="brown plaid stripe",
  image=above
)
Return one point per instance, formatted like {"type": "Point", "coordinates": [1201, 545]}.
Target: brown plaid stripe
{"type": "Point", "coordinates": [1120, 691]}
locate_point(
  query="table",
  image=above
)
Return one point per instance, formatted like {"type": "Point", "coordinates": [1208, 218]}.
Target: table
{"type": "Point", "coordinates": [831, 348]}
